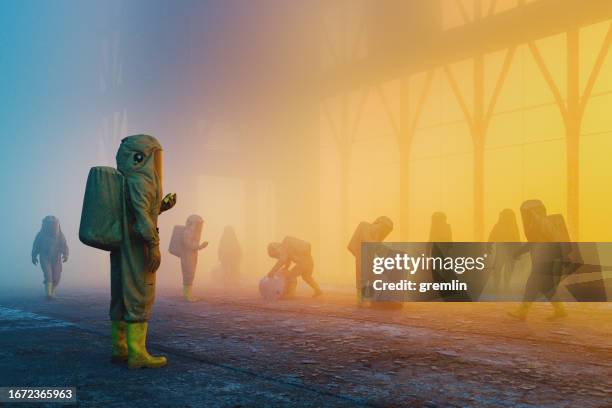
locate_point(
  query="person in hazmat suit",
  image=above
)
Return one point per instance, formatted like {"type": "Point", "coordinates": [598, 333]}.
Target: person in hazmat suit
{"type": "Point", "coordinates": [189, 253]}
{"type": "Point", "coordinates": [229, 254]}
{"type": "Point", "coordinates": [51, 250]}
{"type": "Point", "coordinates": [294, 259]}
{"type": "Point", "coordinates": [133, 265]}
{"type": "Point", "coordinates": [376, 231]}
{"type": "Point", "coordinates": [440, 244]}
{"type": "Point", "coordinates": [504, 233]}
{"type": "Point", "coordinates": [546, 259]}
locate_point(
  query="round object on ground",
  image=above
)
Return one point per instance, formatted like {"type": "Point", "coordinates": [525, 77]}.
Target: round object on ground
{"type": "Point", "coordinates": [271, 288]}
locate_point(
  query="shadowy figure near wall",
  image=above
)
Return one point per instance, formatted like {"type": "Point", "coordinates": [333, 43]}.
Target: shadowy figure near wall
{"type": "Point", "coordinates": [229, 254]}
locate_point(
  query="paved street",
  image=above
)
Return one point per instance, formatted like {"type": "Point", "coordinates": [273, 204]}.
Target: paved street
{"type": "Point", "coordinates": [312, 353]}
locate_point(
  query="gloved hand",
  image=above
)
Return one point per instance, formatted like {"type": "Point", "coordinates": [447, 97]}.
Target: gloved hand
{"type": "Point", "coordinates": [168, 202]}
{"type": "Point", "coordinates": [35, 260]}
{"type": "Point", "coordinates": [64, 258]}
{"type": "Point", "coordinates": [203, 245]}
{"type": "Point", "coordinates": [154, 258]}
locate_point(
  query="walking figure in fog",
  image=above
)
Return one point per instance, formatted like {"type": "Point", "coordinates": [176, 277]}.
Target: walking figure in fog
{"type": "Point", "coordinates": [51, 249]}
{"type": "Point", "coordinates": [376, 231]}
{"type": "Point", "coordinates": [546, 258]}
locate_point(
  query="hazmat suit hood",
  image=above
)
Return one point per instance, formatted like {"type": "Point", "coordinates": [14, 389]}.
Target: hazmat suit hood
{"type": "Point", "coordinates": [194, 219]}
{"type": "Point", "coordinates": [440, 230]}
{"type": "Point", "coordinates": [139, 159]}
{"type": "Point", "coordinates": [195, 223]}
{"type": "Point", "coordinates": [274, 249]}
{"type": "Point", "coordinates": [507, 217]}
{"type": "Point", "coordinates": [506, 229]}
{"type": "Point", "coordinates": [532, 213]}
{"type": "Point", "coordinates": [50, 226]}
{"type": "Point", "coordinates": [383, 227]}
{"type": "Point", "coordinates": [141, 155]}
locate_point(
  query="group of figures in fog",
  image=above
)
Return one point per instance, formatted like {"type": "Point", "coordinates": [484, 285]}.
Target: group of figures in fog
{"type": "Point", "coordinates": [120, 214]}
{"type": "Point", "coordinates": [548, 244]}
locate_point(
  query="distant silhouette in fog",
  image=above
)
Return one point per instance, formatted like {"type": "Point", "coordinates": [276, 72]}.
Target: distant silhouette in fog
{"type": "Point", "coordinates": [504, 231]}
{"type": "Point", "coordinates": [544, 234]}
{"type": "Point", "coordinates": [367, 232]}
{"type": "Point", "coordinates": [185, 243]}
{"type": "Point", "coordinates": [51, 249]}
{"type": "Point", "coordinates": [229, 254]}
{"type": "Point", "coordinates": [440, 246]}
{"type": "Point", "coordinates": [440, 230]}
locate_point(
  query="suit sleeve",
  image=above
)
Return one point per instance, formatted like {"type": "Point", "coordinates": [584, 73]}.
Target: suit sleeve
{"type": "Point", "coordinates": [142, 194]}
{"type": "Point", "coordinates": [36, 246]}
{"type": "Point", "coordinates": [64, 246]}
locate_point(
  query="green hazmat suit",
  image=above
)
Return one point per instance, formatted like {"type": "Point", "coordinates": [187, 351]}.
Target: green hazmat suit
{"type": "Point", "coordinates": [134, 264]}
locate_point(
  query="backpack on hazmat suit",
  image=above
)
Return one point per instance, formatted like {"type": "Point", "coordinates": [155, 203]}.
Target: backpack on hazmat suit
{"type": "Point", "coordinates": [570, 251]}
{"type": "Point", "coordinates": [102, 214]}
{"type": "Point", "coordinates": [176, 241]}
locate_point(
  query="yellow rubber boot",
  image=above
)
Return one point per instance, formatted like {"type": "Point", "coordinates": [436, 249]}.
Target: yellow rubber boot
{"type": "Point", "coordinates": [120, 348]}
{"type": "Point", "coordinates": [138, 357]}
{"type": "Point", "coordinates": [521, 312]}
{"type": "Point", "coordinates": [559, 311]}
{"type": "Point", "coordinates": [49, 290]}
{"type": "Point", "coordinates": [187, 294]}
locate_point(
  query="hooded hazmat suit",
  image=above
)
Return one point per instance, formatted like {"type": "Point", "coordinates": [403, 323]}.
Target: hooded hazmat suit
{"type": "Point", "coordinates": [546, 259]}
{"type": "Point", "coordinates": [367, 232]}
{"type": "Point", "coordinates": [504, 233]}
{"type": "Point", "coordinates": [191, 245]}
{"type": "Point", "coordinates": [545, 253]}
{"type": "Point", "coordinates": [133, 266]}
{"type": "Point", "coordinates": [294, 259]}
{"type": "Point", "coordinates": [51, 249]}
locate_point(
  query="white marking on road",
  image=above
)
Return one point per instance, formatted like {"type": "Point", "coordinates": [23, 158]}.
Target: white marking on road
{"type": "Point", "coordinates": [16, 319]}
